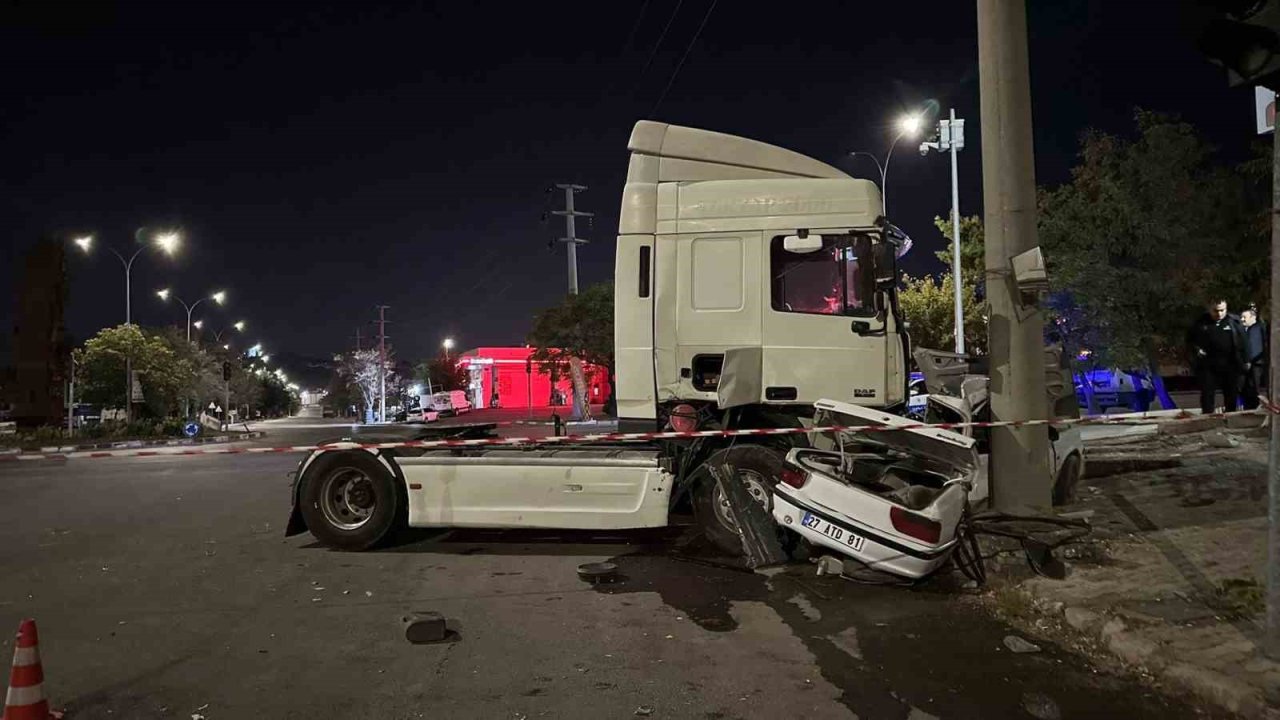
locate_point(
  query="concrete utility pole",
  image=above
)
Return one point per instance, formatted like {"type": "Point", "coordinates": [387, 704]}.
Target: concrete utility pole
{"type": "Point", "coordinates": [571, 238]}
{"type": "Point", "coordinates": [382, 363]}
{"type": "Point", "coordinates": [1019, 456]}
{"type": "Point", "coordinates": [1271, 639]}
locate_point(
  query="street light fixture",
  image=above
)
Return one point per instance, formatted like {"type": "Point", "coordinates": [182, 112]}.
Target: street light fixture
{"type": "Point", "coordinates": [168, 243]}
{"type": "Point", "coordinates": [218, 297]}
{"type": "Point", "coordinates": [908, 126]}
{"type": "Point", "coordinates": [198, 324]}
{"type": "Point", "coordinates": [239, 325]}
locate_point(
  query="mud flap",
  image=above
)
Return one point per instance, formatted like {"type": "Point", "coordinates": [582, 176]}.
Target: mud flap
{"type": "Point", "coordinates": [756, 528]}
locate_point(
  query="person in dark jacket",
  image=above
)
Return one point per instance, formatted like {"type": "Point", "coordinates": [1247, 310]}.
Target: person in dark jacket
{"type": "Point", "coordinates": [1217, 344]}
{"type": "Point", "coordinates": [1255, 357]}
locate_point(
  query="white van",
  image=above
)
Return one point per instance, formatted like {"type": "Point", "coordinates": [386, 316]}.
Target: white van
{"type": "Point", "coordinates": [452, 402]}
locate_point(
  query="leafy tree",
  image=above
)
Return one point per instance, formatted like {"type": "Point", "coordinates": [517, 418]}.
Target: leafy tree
{"type": "Point", "coordinates": [201, 371]}
{"type": "Point", "coordinates": [163, 375]}
{"type": "Point", "coordinates": [1146, 232]}
{"type": "Point", "coordinates": [362, 370]}
{"type": "Point", "coordinates": [928, 305]}
{"type": "Point", "coordinates": [442, 373]}
{"type": "Point", "coordinates": [928, 302]}
{"type": "Point", "coordinates": [579, 329]}
{"type": "Point", "coordinates": [973, 261]}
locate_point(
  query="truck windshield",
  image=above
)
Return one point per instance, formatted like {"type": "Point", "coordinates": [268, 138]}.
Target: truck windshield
{"type": "Point", "coordinates": [837, 280]}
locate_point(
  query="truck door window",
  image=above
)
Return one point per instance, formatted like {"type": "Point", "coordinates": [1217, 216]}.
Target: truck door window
{"type": "Point", "coordinates": [836, 280]}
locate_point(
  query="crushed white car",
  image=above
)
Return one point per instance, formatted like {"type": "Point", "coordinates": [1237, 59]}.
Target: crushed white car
{"type": "Point", "coordinates": [890, 500]}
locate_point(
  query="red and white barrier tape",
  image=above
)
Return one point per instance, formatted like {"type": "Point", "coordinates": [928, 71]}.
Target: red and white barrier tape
{"type": "Point", "coordinates": [619, 437]}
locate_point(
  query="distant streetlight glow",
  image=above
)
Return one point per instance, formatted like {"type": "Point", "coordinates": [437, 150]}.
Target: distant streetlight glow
{"type": "Point", "coordinates": [163, 294]}
{"type": "Point", "coordinates": [226, 347]}
{"type": "Point", "coordinates": [910, 124]}
{"type": "Point", "coordinates": [448, 343]}
{"type": "Point", "coordinates": [266, 358]}
{"type": "Point", "coordinates": [84, 243]}
{"type": "Point", "coordinates": [219, 297]}
{"type": "Point", "coordinates": [239, 326]}
{"type": "Point", "coordinates": [197, 324]}
{"type": "Point", "coordinates": [168, 242]}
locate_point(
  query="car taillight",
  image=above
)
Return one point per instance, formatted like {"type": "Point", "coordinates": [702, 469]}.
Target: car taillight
{"type": "Point", "coordinates": [683, 418]}
{"type": "Point", "coordinates": [794, 476]}
{"type": "Point", "coordinates": [916, 526]}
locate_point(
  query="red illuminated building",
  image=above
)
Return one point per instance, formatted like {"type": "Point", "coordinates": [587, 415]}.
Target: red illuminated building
{"type": "Point", "coordinates": [520, 383]}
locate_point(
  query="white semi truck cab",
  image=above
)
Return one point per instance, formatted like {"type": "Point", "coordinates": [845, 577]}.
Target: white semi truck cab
{"type": "Point", "coordinates": [750, 282]}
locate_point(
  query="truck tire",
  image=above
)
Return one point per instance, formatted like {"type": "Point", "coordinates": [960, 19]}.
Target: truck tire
{"type": "Point", "coordinates": [755, 466]}
{"type": "Point", "coordinates": [350, 500]}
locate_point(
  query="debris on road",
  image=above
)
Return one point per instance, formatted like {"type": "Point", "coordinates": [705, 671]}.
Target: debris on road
{"type": "Point", "coordinates": [756, 529]}
{"type": "Point", "coordinates": [644, 711]}
{"type": "Point", "coordinates": [598, 572]}
{"type": "Point", "coordinates": [1041, 706]}
{"type": "Point", "coordinates": [1018, 645]}
{"type": "Point", "coordinates": [425, 626]}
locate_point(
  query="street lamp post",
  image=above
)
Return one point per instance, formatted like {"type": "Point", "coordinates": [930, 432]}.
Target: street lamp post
{"type": "Point", "coordinates": [219, 297]}
{"type": "Point", "coordinates": [908, 125]}
{"type": "Point", "coordinates": [951, 139]}
{"type": "Point", "coordinates": [168, 243]}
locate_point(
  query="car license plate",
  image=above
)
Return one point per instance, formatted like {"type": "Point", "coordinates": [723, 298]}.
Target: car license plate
{"type": "Point", "coordinates": [839, 534]}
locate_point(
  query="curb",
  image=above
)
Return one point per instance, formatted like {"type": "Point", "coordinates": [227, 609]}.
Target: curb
{"type": "Point", "coordinates": [133, 444]}
{"type": "Point", "coordinates": [1209, 686]}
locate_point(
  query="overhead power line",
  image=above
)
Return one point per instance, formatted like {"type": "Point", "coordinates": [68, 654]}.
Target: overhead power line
{"type": "Point", "coordinates": [654, 52]}
{"type": "Point", "coordinates": [711, 8]}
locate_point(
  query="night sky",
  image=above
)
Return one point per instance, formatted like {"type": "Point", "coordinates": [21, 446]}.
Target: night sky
{"type": "Point", "coordinates": [323, 158]}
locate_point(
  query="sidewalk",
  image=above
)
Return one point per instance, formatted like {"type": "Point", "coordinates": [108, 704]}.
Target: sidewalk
{"type": "Point", "coordinates": [122, 444]}
{"type": "Point", "coordinates": [1172, 578]}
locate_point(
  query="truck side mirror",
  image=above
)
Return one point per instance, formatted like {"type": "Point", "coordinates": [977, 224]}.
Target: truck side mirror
{"type": "Point", "coordinates": [802, 244]}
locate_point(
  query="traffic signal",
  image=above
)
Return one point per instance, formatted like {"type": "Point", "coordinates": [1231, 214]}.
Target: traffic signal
{"type": "Point", "coordinates": [1243, 36]}
{"type": "Point", "coordinates": [226, 371]}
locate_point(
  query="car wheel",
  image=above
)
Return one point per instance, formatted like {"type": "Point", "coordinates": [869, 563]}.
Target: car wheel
{"type": "Point", "coordinates": [350, 500]}
{"type": "Point", "coordinates": [754, 466]}
{"type": "Point", "coordinates": [1064, 486]}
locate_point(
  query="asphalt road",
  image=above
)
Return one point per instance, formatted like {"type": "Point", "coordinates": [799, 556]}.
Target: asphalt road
{"type": "Point", "coordinates": [164, 588]}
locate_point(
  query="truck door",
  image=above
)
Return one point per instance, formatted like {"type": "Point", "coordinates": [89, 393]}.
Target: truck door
{"type": "Point", "coordinates": [824, 337]}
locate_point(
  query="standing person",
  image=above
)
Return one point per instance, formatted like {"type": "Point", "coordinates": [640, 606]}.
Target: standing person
{"type": "Point", "coordinates": [1217, 350]}
{"type": "Point", "coordinates": [1255, 356]}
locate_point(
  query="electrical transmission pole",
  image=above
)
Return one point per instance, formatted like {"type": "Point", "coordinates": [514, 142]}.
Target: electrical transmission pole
{"type": "Point", "coordinates": [358, 348]}
{"type": "Point", "coordinates": [571, 238]}
{"type": "Point", "coordinates": [1019, 456]}
{"type": "Point", "coordinates": [382, 363]}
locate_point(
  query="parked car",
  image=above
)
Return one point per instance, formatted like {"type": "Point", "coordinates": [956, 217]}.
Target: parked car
{"type": "Point", "coordinates": [421, 415]}
{"type": "Point", "coordinates": [1114, 388]}
{"type": "Point", "coordinates": [450, 402]}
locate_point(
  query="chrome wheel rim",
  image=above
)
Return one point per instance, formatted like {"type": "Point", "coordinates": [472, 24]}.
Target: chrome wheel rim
{"type": "Point", "coordinates": [347, 499]}
{"type": "Point", "coordinates": [757, 488]}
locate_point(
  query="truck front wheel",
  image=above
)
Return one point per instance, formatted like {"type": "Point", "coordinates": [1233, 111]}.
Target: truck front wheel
{"type": "Point", "coordinates": [756, 467]}
{"type": "Point", "coordinates": [349, 500]}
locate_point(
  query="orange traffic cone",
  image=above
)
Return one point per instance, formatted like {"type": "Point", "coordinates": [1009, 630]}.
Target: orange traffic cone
{"type": "Point", "coordinates": [25, 699]}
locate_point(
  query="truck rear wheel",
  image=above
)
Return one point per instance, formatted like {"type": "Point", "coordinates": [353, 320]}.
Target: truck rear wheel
{"type": "Point", "coordinates": [350, 500]}
{"type": "Point", "coordinates": [756, 467]}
